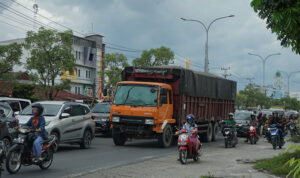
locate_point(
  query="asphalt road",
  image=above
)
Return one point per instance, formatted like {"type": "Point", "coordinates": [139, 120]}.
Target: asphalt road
{"type": "Point", "coordinates": [71, 160]}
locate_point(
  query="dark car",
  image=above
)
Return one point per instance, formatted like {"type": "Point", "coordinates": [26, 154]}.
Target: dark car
{"type": "Point", "coordinates": [242, 118]}
{"type": "Point", "coordinates": [7, 124]}
{"type": "Point", "coordinates": [100, 114]}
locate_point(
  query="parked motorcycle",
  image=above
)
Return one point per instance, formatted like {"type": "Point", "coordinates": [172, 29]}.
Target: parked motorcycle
{"type": "Point", "coordinates": [21, 151]}
{"type": "Point", "coordinates": [293, 129]}
{"type": "Point", "coordinates": [185, 149]}
{"type": "Point", "coordinates": [228, 134]}
{"type": "Point", "coordinates": [2, 155]}
{"type": "Point", "coordinates": [252, 135]}
{"type": "Point", "coordinates": [275, 136]}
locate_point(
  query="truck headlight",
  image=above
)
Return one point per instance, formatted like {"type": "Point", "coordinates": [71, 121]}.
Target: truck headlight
{"type": "Point", "coordinates": [149, 121]}
{"type": "Point", "coordinates": [115, 119]}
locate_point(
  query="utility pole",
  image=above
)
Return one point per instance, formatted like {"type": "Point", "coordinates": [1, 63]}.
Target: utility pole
{"type": "Point", "coordinates": [207, 30]}
{"type": "Point", "coordinates": [264, 66]}
{"type": "Point", "coordinates": [225, 72]}
{"type": "Point", "coordinates": [35, 11]}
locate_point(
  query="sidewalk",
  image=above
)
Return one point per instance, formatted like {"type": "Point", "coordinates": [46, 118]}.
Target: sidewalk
{"type": "Point", "coordinates": [216, 160]}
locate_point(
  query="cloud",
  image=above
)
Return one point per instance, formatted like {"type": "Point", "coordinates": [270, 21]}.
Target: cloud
{"type": "Point", "coordinates": [151, 23]}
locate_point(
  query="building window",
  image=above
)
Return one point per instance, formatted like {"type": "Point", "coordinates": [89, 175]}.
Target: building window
{"type": "Point", "coordinates": [88, 74]}
{"type": "Point", "coordinates": [79, 54]}
{"type": "Point", "coordinates": [78, 72]}
{"type": "Point", "coordinates": [76, 54]}
{"type": "Point", "coordinates": [77, 90]}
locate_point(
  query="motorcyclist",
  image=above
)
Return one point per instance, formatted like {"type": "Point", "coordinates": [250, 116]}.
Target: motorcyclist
{"type": "Point", "coordinates": [278, 121]}
{"type": "Point", "coordinates": [192, 129]}
{"type": "Point", "coordinates": [37, 123]}
{"type": "Point", "coordinates": [267, 124]}
{"type": "Point", "coordinates": [253, 122]}
{"type": "Point", "coordinates": [232, 122]}
{"type": "Point", "coordinates": [293, 120]}
{"type": "Point", "coordinates": [262, 122]}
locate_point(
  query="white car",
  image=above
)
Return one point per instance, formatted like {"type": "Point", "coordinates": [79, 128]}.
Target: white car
{"type": "Point", "coordinates": [70, 122]}
{"type": "Point", "coordinates": [17, 104]}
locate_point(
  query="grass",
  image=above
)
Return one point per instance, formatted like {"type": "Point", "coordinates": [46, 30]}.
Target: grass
{"type": "Point", "coordinates": [275, 165]}
{"type": "Point", "coordinates": [208, 176]}
{"type": "Point", "coordinates": [295, 138]}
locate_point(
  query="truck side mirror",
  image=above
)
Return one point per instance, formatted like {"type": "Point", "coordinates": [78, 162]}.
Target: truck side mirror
{"type": "Point", "coordinates": [104, 92]}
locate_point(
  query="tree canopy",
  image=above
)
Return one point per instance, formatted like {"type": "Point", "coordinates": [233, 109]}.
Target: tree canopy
{"type": "Point", "coordinates": [154, 57]}
{"type": "Point", "coordinates": [283, 18]}
{"type": "Point", "coordinates": [113, 65]}
{"type": "Point", "coordinates": [50, 55]}
{"type": "Point", "coordinates": [9, 56]}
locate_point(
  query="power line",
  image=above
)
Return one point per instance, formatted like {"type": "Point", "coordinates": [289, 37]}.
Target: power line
{"type": "Point", "coordinates": [16, 27]}
{"type": "Point", "coordinates": [48, 18]}
{"type": "Point", "coordinates": [119, 49]}
{"type": "Point", "coordinates": [22, 15]}
{"type": "Point", "coordinates": [11, 18]}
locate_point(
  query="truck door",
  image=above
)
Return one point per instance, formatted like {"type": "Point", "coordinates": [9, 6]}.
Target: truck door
{"type": "Point", "coordinates": [163, 105]}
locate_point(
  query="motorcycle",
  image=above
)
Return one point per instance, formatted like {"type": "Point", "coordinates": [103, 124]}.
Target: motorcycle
{"type": "Point", "coordinates": [21, 151]}
{"type": "Point", "coordinates": [2, 155]}
{"type": "Point", "coordinates": [185, 149]}
{"type": "Point", "coordinates": [293, 129]}
{"type": "Point", "coordinates": [275, 136]}
{"type": "Point", "coordinates": [228, 134]}
{"type": "Point", "coordinates": [252, 135]}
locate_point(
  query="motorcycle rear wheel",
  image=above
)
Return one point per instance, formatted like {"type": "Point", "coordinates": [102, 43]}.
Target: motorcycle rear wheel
{"type": "Point", "coordinates": [226, 142]}
{"type": "Point", "coordinates": [183, 156]}
{"type": "Point", "coordinates": [9, 161]}
{"type": "Point", "coordinates": [274, 142]}
{"type": "Point", "coordinates": [48, 159]}
{"type": "Point", "coordinates": [196, 158]}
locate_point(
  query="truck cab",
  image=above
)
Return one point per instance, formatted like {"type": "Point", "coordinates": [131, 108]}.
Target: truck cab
{"type": "Point", "coordinates": [142, 110]}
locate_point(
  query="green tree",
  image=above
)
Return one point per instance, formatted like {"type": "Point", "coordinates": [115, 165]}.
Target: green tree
{"type": "Point", "coordinates": [154, 57]}
{"type": "Point", "coordinates": [50, 55]}
{"type": "Point", "coordinates": [25, 91]}
{"type": "Point", "coordinates": [290, 103]}
{"type": "Point", "coordinates": [9, 56]}
{"type": "Point", "coordinates": [282, 17]}
{"type": "Point", "coordinates": [252, 97]}
{"type": "Point", "coordinates": [113, 65]}
{"type": "Point", "coordinates": [240, 100]}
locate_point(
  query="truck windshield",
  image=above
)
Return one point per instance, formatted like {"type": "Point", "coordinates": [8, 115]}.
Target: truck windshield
{"type": "Point", "coordinates": [135, 95]}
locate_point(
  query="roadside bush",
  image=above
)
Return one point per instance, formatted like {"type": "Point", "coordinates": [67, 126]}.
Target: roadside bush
{"type": "Point", "coordinates": [294, 162]}
{"type": "Point", "coordinates": [278, 164]}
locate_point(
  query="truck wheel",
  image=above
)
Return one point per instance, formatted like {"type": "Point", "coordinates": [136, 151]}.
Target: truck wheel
{"type": "Point", "coordinates": [215, 131]}
{"type": "Point", "coordinates": [165, 138]}
{"type": "Point", "coordinates": [118, 137]}
{"type": "Point", "coordinates": [208, 134]}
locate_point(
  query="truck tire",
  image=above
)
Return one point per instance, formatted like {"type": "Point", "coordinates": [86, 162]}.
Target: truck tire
{"type": "Point", "coordinates": [165, 138]}
{"type": "Point", "coordinates": [118, 137]}
{"type": "Point", "coordinates": [208, 135]}
{"type": "Point", "coordinates": [215, 131]}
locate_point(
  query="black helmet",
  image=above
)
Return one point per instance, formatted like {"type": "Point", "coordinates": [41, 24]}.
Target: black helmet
{"type": "Point", "coordinates": [39, 107]}
{"type": "Point", "coordinates": [190, 118]}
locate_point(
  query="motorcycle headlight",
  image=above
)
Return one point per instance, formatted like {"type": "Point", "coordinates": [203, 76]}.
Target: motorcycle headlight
{"type": "Point", "coordinates": [19, 140]}
{"type": "Point", "coordinates": [268, 129]}
{"type": "Point", "coordinates": [149, 121]}
{"type": "Point", "coordinates": [116, 119]}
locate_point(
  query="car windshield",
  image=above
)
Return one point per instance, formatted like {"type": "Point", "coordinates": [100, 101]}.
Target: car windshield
{"type": "Point", "coordinates": [242, 116]}
{"type": "Point", "coordinates": [4, 110]}
{"type": "Point", "coordinates": [136, 95]}
{"type": "Point", "coordinates": [101, 108]}
{"type": "Point", "coordinates": [49, 110]}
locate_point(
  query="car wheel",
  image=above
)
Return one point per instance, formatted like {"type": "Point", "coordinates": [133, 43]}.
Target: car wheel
{"type": "Point", "coordinates": [56, 144]}
{"type": "Point", "coordinates": [86, 140]}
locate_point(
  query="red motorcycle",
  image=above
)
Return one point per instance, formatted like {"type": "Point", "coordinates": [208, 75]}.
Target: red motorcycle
{"type": "Point", "coordinates": [252, 135]}
{"type": "Point", "coordinates": [185, 149]}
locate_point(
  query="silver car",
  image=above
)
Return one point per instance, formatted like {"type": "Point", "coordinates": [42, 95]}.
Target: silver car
{"type": "Point", "coordinates": [70, 122]}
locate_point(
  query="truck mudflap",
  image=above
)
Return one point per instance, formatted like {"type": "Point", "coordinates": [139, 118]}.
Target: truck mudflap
{"type": "Point", "coordinates": [161, 126]}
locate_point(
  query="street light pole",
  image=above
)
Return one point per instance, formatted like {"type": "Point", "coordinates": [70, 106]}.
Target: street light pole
{"type": "Point", "coordinates": [207, 30]}
{"type": "Point", "coordinates": [264, 66]}
{"type": "Point", "coordinates": [288, 79]}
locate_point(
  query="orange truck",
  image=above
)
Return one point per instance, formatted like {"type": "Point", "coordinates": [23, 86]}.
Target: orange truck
{"type": "Point", "coordinates": [151, 102]}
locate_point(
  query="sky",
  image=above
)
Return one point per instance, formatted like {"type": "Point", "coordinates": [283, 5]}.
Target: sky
{"type": "Point", "coordinates": [145, 24]}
